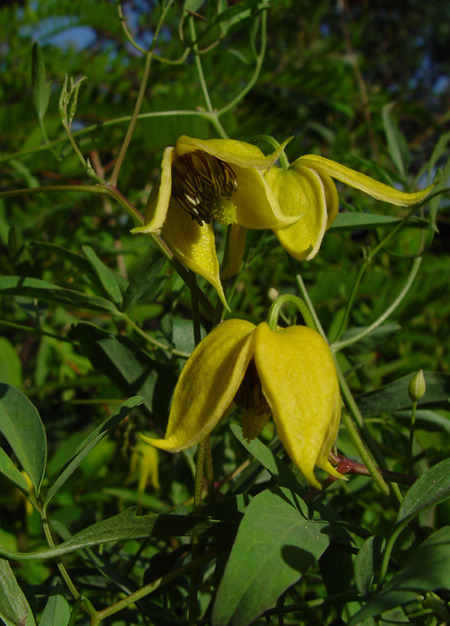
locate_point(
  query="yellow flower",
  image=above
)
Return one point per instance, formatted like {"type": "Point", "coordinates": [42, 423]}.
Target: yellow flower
{"type": "Point", "coordinates": [306, 189]}
{"type": "Point", "coordinates": [288, 374]}
{"type": "Point", "coordinates": [216, 180]}
{"type": "Point", "coordinates": [144, 466]}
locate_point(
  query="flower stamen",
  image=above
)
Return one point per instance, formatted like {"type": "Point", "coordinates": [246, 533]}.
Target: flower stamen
{"type": "Point", "coordinates": [203, 185]}
{"type": "Point", "coordinates": [255, 412]}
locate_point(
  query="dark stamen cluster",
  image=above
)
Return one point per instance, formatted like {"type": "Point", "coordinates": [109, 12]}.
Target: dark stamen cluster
{"type": "Point", "coordinates": [198, 181]}
{"type": "Point", "coordinates": [250, 395]}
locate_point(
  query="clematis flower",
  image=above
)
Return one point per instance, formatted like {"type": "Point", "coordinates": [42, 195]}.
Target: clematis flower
{"type": "Point", "coordinates": [306, 189]}
{"type": "Point", "coordinates": [202, 182]}
{"type": "Point", "coordinates": [288, 374]}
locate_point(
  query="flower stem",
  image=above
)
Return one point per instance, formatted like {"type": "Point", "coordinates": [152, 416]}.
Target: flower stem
{"type": "Point", "coordinates": [140, 98]}
{"type": "Point", "coordinates": [412, 275]}
{"type": "Point", "coordinates": [411, 436]}
{"type": "Point", "coordinates": [354, 435]}
{"type": "Point", "coordinates": [274, 311]}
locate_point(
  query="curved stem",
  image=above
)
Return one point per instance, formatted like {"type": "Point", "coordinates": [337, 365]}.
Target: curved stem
{"type": "Point", "coordinates": [412, 275]}
{"type": "Point", "coordinates": [139, 101]}
{"type": "Point", "coordinates": [388, 552]}
{"type": "Point", "coordinates": [153, 586]}
{"type": "Point", "coordinates": [302, 287]}
{"type": "Point", "coordinates": [372, 253]}
{"type": "Point", "coordinates": [62, 570]}
{"type": "Point", "coordinates": [118, 120]}
{"type": "Point", "coordinates": [274, 311]}
{"type": "Point", "coordinates": [151, 340]}
{"type": "Point", "coordinates": [198, 65]}
{"type": "Point", "coordinates": [127, 33]}
{"type": "Point", "coordinates": [258, 66]}
{"type": "Point", "coordinates": [354, 435]}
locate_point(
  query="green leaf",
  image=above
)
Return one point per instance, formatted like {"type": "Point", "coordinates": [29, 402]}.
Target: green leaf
{"type": "Point", "coordinates": [394, 396]}
{"type": "Point", "coordinates": [56, 611]}
{"type": "Point", "coordinates": [429, 489]}
{"type": "Point", "coordinates": [193, 5]}
{"type": "Point", "coordinates": [8, 469]}
{"type": "Point", "coordinates": [10, 364]}
{"type": "Point", "coordinates": [144, 282]}
{"type": "Point", "coordinates": [14, 608]}
{"type": "Point", "coordinates": [128, 525]}
{"type": "Point", "coordinates": [438, 150]}
{"type": "Point", "coordinates": [443, 183]}
{"type": "Point", "coordinates": [397, 144]}
{"type": "Point", "coordinates": [269, 460]}
{"type": "Point", "coordinates": [366, 564]}
{"type": "Point", "coordinates": [90, 442]}
{"type": "Point", "coordinates": [275, 545]}
{"type": "Point", "coordinates": [105, 275]}
{"type": "Point", "coordinates": [364, 221]}
{"type": "Point", "coordinates": [40, 289]}
{"type": "Point", "coordinates": [378, 335]}
{"type": "Point", "coordinates": [40, 91]}
{"type": "Point", "coordinates": [426, 569]}
{"type": "Point", "coordinates": [22, 427]}
{"type": "Point", "coordinates": [129, 367]}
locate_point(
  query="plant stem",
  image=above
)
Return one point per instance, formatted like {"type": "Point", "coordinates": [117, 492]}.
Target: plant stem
{"type": "Point", "coordinates": [62, 570]}
{"type": "Point", "coordinates": [258, 66]}
{"type": "Point", "coordinates": [412, 275]}
{"type": "Point", "coordinates": [156, 584]}
{"type": "Point", "coordinates": [411, 436]}
{"type": "Point", "coordinates": [139, 101]}
{"type": "Point", "coordinates": [354, 435]}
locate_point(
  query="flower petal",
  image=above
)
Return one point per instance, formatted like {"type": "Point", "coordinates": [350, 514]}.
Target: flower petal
{"type": "Point", "coordinates": [193, 245]}
{"type": "Point", "coordinates": [331, 198]}
{"type": "Point", "coordinates": [207, 385]}
{"type": "Point", "coordinates": [231, 151]}
{"type": "Point", "coordinates": [299, 381]}
{"type": "Point", "coordinates": [330, 438]}
{"type": "Point", "coordinates": [372, 187]}
{"type": "Point", "coordinates": [300, 192]}
{"type": "Point", "coordinates": [256, 204]}
{"type": "Point", "coordinates": [236, 249]}
{"type": "Point", "coordinates": [158, 202]}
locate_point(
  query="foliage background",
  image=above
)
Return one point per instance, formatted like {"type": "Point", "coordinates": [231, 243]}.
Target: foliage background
{"type": "Point", "coordinates": [364, 83]}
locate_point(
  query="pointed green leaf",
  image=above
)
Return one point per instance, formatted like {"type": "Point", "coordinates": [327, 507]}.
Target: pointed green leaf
{"type": "Point", "coordinates": [275, 545]}
{"type": "Point", "coordinates": [128, 525]}
{"type": "Point", "coordinates": [40, 91]}
{"type": "Point", "coordinates": [42, 290]}
{"type": "Point", "coordinates": [365, 221]}
{"type": "Point", "coordinates": [56, 611]}
{"type": "Point", "coordinates": [8, 469]}
{"type": "Point", "coordinates": [144, 282]}
{"type": "Point", "coordinates": [105, 275]}
{"type": "Point", "coordinates": [394, 396]}
{"type": "Point", "coordinates": [90, 442]}
{"type": "Point", "coordinates": [426, 569]}
{"type": "Point", "coordinates": [428, 490]}
{"type": "Point", "coordinates": [269, 460]}
{"type": "Point", "coordinates": [397, 144]}
{"type": "Point", "coordinates": [14, 608]}
{"type": "Point", "coordinates": [22, 427]}
{"type": "Point", "coordinates": [10, 364]}
{"type": "Point", "coordinates": [129, 367]}
{"type": "Point", "coordinates": [367, 563]}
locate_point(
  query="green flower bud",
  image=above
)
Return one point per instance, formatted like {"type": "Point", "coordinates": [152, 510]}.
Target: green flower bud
{"type": "Point", "coordinates": [417, 386]}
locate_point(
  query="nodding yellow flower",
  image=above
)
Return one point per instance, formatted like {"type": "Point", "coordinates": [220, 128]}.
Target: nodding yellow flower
{"type": "Point", "coordinates": [287, 374]}
{"type": "Point", "coordinates": [144, 466]}
{"type": "Point", "coordinates": [202, 182]}
{"type": "Point", "coordinates": [306, 189]}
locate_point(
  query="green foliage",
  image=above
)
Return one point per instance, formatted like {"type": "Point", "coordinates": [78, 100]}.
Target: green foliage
{"type": "Point", "coordinates": [97, 323]}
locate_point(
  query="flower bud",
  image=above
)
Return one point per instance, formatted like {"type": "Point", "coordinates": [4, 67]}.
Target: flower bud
{"type": "Point", "coordinates": [417, 386]}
